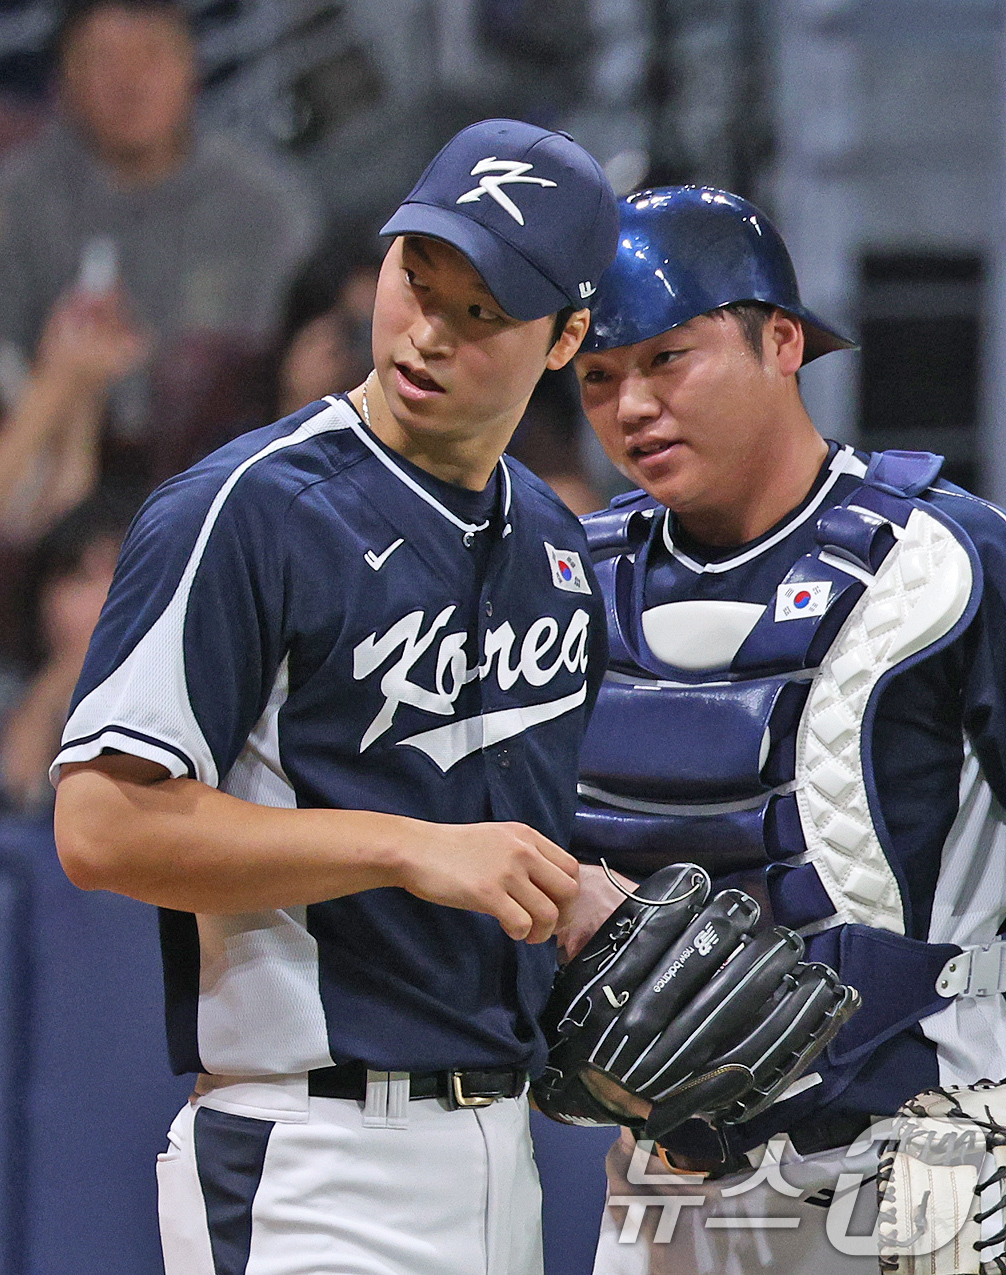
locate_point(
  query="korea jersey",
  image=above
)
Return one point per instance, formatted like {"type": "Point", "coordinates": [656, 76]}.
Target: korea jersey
{"type": "Point", "coordinates": [824, 710]}
{"type": "Point", "coordinates": [303, 620]}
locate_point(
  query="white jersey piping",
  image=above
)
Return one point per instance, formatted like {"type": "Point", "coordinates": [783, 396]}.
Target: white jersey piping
{"type": "Point", "coordinates": [417, 488]}
{"type": "Point", "coordinates": [845, 461]}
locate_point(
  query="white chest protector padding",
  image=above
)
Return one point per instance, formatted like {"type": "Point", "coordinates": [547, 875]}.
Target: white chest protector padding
{"type": "Point", "coordinates": [918, 595]}
{"type": "Point", "coordinates": [699, 633]}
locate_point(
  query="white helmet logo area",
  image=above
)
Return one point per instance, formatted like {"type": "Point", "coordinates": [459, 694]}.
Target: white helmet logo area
{"type": "Point", "coordinates": [494, 174]}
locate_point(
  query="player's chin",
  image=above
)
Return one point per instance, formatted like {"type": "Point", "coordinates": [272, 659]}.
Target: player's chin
{"type": "Point", "coordinates": [426, 413]}
{"type": "Point", "coordinates": [676, 481]}
{"type": "Point", "coordinates": [660, 463]}
{"type": "Point", "coordinates": [430, 420]}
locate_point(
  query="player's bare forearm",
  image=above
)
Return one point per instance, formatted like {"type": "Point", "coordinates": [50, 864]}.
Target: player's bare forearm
{"type": "Point", "coordinates": [122, 825]}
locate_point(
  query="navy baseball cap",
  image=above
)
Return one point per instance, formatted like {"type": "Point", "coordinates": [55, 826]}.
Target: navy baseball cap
{"type": "Point", "coordinates": [530, 209]}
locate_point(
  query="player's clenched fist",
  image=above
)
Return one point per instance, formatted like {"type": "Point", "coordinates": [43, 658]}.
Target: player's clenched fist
{"type": "Point", "coordinates": [505, 869]}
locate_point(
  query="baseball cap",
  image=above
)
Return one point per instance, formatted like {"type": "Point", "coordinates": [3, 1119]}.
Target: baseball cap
{"type": "Point", "coordinates": [529, 208]}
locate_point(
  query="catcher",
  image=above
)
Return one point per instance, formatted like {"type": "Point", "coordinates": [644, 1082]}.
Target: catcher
{"type": "Point", "coordinates": [807, 696]}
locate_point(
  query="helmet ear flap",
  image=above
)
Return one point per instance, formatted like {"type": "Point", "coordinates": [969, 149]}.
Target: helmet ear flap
{"type": "Point", "coordinates": [688, 250]}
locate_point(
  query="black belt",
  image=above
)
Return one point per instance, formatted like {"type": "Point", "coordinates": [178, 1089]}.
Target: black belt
{"type": "Point", "coordinates": [473, 1088]}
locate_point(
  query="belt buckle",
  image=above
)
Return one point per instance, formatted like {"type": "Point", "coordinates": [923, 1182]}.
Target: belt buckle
{"type": "Point", "coordinates": [460, 1098]}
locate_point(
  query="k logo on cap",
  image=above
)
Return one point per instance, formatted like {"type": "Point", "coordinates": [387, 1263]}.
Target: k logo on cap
{"type": "Point", "coordinates": [541, 220]}
{"type": "Point", "coordinates": [494, 173]}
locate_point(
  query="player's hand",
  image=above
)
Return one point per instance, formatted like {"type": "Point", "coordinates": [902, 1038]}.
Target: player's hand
{"type": "Point", "coordinates": [507, 870]}
{"type": "Point", "coordinates": [594, 903]}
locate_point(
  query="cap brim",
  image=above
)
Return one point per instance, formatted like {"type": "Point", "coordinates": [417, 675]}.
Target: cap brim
{"type": "Point", "coordinates": [522, 291]}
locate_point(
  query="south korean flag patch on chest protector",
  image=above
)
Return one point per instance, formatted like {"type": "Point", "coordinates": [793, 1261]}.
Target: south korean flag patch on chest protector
{"type": "Point", "coordinates": [799, 601]}
{"type": "Point", "coordinates": [567, 569]}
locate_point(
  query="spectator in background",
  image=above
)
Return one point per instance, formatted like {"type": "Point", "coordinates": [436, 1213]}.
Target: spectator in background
{"type": "Point", "coordinates": [73, 571]}
{"type": "Point", "coordinates": [550, 440]}
{"type": "Point", "coordinates": [324, 345]}
{"type": "Point", "coordinates": [200, 236]}
{"type": "Point", "coordinates": [50, 444]}
{"type": "Point", "coordinates": [53, 451]}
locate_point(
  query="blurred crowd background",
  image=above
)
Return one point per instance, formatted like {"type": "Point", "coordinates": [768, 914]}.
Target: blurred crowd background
{"type": "Point", "coordinates": [190, 195]}
{"type": "Point", "coordinates": [189, 199]}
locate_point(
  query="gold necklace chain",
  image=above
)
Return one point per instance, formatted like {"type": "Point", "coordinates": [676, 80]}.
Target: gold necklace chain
{"type": "Point", "coordinates": [469, 530]}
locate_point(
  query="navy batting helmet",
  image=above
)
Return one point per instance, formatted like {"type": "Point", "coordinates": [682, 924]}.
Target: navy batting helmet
{"type": "Point", "coordinates": [686, 250]}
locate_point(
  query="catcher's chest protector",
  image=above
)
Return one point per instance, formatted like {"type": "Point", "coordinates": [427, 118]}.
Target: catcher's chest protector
{"type": "Point", "coordinates": [737, 734]}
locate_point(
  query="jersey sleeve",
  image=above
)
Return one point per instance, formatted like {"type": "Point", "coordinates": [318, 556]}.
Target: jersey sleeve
{"type": "Point", "coordinates": [190, 642]}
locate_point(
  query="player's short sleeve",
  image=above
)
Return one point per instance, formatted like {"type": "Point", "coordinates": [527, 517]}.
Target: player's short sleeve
{"type": "Point", "coordinates": [190, 642]}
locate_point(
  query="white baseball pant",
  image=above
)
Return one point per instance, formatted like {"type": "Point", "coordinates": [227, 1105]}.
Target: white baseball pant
{"type": "Point", "coordinates": [259, 1179]}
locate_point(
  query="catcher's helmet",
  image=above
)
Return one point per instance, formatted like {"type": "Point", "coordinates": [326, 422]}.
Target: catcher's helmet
{"type": "Point", "coordinates": [686, 250]}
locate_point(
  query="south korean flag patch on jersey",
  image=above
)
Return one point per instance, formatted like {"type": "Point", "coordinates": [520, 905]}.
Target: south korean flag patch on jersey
{"type": "Point", "coordinates": [799, 601]}
{"type": "Point", "coordinates": [567, 569]}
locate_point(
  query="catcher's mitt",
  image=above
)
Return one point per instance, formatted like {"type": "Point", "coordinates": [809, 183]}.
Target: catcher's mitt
{"type": "Point", "coordinates": [674, 1009]}
{"type": "Point", "coordinates": [942, 1184]}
